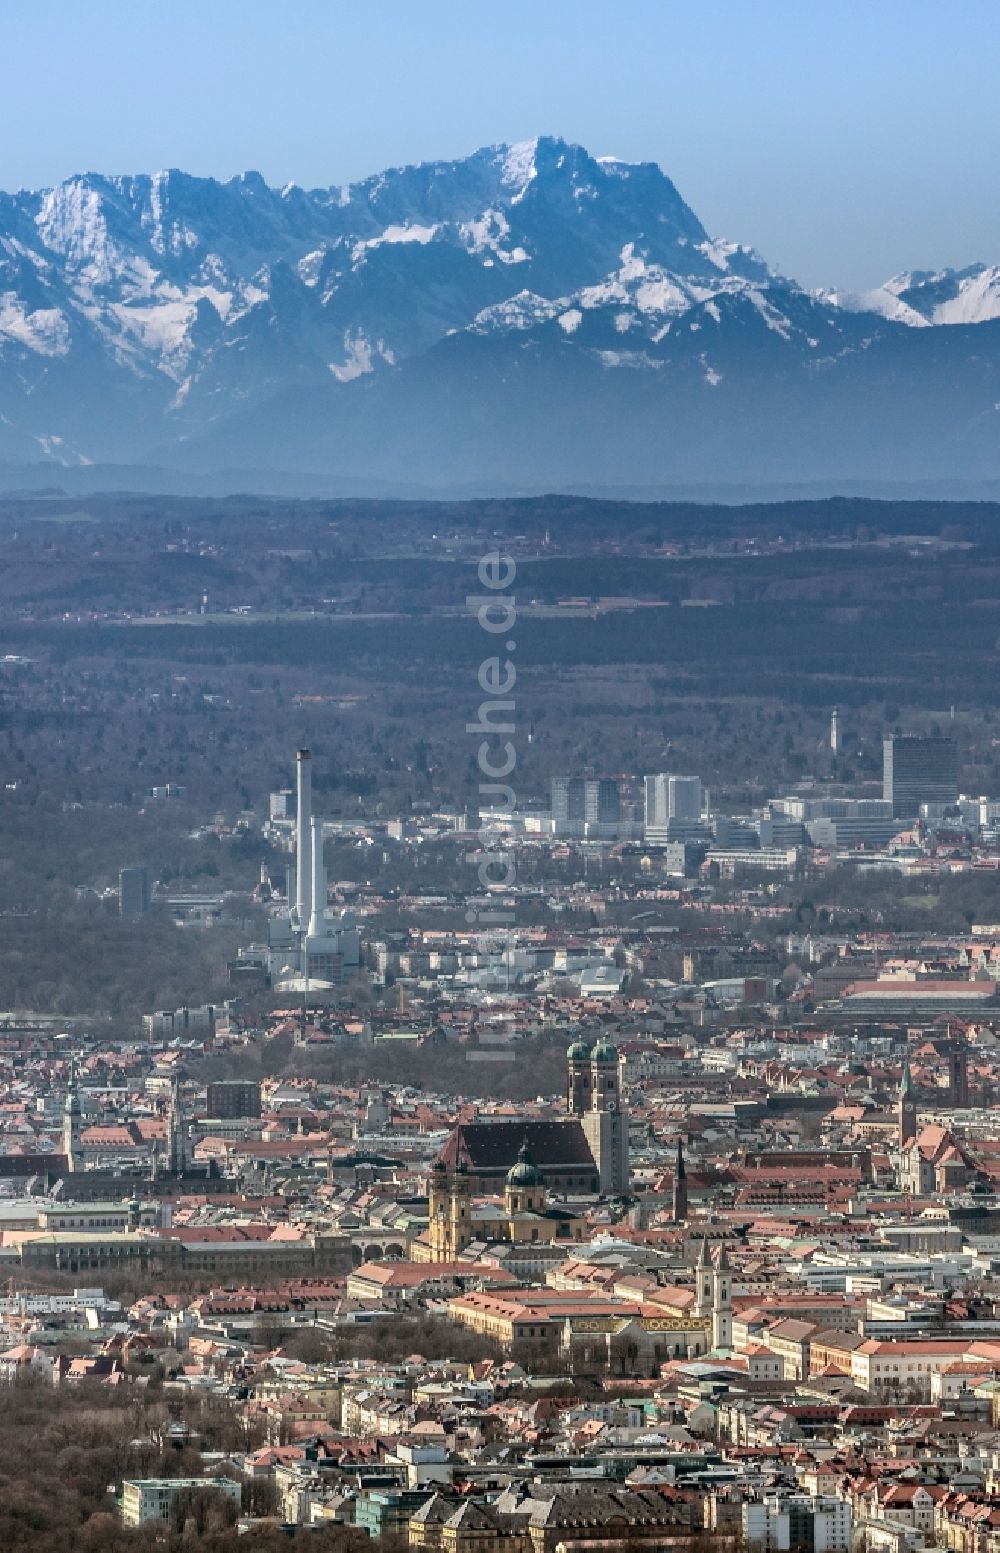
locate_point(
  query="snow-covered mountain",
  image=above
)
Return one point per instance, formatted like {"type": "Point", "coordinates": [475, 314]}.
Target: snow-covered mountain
{"type": "Point", "coordinates": [530, 315]}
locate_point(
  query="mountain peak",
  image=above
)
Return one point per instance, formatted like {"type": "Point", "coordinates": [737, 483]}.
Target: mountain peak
{"type": "Point", "coordinates": [950, 296]}
{"type": "Point", "coordinates": [251, 179]}
{"type": "Point", "coordinates": [518, 165]}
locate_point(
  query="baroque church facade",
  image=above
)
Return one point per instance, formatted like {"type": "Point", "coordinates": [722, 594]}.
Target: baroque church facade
{"type": "Point", "coordinates": [584, 1154]}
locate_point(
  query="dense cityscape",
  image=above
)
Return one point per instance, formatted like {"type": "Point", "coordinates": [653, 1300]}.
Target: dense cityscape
{"type": "Point", "coordinates": [647, 1204]}
{"type": "Point", "coordinates": [499, 778]}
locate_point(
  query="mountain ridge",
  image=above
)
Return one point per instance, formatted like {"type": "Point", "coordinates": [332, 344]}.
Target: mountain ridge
{"type": "Point", "coordinates": [529, 313]}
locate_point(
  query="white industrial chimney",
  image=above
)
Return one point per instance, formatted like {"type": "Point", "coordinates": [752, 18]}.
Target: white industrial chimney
{"type": "Point", "coordinates": [317, 921]}
{"type": "Point", "coordinates": [303, 838]}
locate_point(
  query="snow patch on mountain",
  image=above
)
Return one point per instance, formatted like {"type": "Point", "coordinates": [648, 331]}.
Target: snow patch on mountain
{"type": "Point", "coordinates": [631, 264]}
{"type": "Point", "coordinates": [180, 237]}
{"type": "Point", "coordinates": [393, 234]}
{"type": "Point", "coordinates": [612, 290]}
{"type": "Point", "coordinates": [977, 300]}
{"type": "Point", "coordinates": [721, 253]}
{"type": "Point", "coordinates": [43, 330]}
{"type": "Point", "coordinates": [775, 320]}
{"type": "Point", "coordinates": [310, 267]}
{"type": "Point", "coordinates": [661, 293]}
{"type": "Point", "coordinates": [636, 360]}
{"type": "Point", "coordinates": [358, 362]}
{"type": "Point", "coordinates": [518, 169]}
{"type": "Point", "coordinates": [486, 234]}
{"type": "Point", "coordinates": [57, 452]}
{"type": "Point", "coordinates": [882, 300]}
{"type": "Point", "coordinates": [73, 222]}
{"type": "Point", "coordinates": [162, 326]}
{"type": "Point", "coordinates": [362, 357]}
{"type": "Point", "coordinates": [522, 311]}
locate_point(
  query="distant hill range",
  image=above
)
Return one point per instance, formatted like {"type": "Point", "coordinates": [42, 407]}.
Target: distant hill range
{"type": "Point", "coordinates": [528, 318]}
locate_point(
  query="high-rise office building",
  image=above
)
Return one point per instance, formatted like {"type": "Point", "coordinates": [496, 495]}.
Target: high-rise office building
{"type": "Point", "coordinates": [566, 798]}
{"type": "Point", "coordinates": [916, 771]}
{"type": "Point", "coordinates": [669, 797]}
{"type": "Point", "coordinates": [673, 808]}
{"type": "Point", "coordinates": [684, 798]}
{"type": "Point", "coordinates": [576, 801]}
{"type": "Point", "coordinates": [656, 801]}
{"type": "Point", "coordinates": [602, 800]}
{"type": "Point", "coordinates": [133, 893]}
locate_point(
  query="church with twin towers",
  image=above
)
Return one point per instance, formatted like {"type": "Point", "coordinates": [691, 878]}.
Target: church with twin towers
{"type": "Point", "coordinates": [585, 1153]}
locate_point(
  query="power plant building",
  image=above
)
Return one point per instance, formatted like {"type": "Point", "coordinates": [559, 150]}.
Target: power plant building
{"type": "Point", "coordinates": [302, 942]}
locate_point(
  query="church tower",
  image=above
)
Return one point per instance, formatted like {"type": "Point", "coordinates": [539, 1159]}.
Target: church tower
{"type": "Point", "coordinates": [459, 1219]}
{"type": "Point", "coordinates": [176, 1136]}
{"type": "Point", "coordinates": [703, 1282]}
{"type": "Point", "coordinates": [578, 1079]}
{"type": "Point", "coordinates": [907, 1107]}
{"type": "Point", "coordinates": [958, 1074]}
{"type": "Point", "coordinates": [437, 1189]}
{"type": "Point", "coordinates": [438, 1210]}
{"type": "Point", "coordinates": [680, 1187]}
{"type": "Point", "coordinates": [71, 1122]}
{"type": "Point", "coordinates": [605, 1126]}
{"type": "Point", "coordinates": [524, 1191]}
{"type": "Point", "coordinates": [722, 1301]}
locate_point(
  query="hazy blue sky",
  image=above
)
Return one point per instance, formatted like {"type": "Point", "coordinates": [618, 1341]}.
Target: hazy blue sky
{"type": "Point", "coordinates": [845, 139]}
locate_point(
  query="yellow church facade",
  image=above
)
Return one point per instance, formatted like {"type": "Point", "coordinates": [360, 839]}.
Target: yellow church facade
{"type": "Point", "coordinates": [454, 1221]}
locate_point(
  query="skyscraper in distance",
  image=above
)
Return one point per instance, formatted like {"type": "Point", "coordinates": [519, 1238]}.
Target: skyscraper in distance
{"type": "Point", "coordinates": [918, 770]}
{"type": "Point", "coordinates": [684, 798]}
{"type": "Point", "coordinates": [133, 893]}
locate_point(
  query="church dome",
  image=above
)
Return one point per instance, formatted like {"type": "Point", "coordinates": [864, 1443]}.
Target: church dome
{"type": "Point", "coordinates": [604, 1052]}
{"type": "Point", "coordinates": [525, 1172]}
{"type": "Point", "coordinates": [578, 1052]}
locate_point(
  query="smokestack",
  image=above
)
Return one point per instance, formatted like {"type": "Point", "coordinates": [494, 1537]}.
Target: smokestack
{"type": "Point", "coordinates": [303, 837]}
{"type": "Point", "coordinates": [317, 922]}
